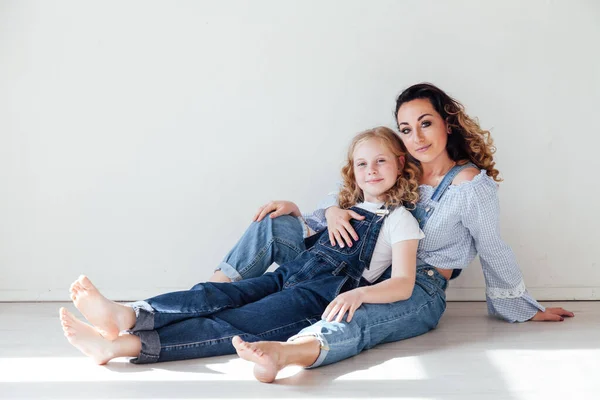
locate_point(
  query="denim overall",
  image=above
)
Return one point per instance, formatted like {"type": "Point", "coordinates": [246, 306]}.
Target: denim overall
{"type": "Point", "coordinates": [201, 322]}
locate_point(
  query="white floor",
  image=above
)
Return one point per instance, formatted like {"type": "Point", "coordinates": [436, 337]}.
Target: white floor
{"type": "Point", "coordinates": [469, 356]}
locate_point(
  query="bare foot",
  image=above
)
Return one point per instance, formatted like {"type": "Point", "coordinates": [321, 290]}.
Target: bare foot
{"type": "Point", "coordinates": [266, 357]}
{"type": "Point", "coordinates": [85, 338]}
{"type": "Point", "coordinates": [108, 317]}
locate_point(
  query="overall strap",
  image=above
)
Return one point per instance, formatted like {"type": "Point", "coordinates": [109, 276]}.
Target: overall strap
{"type": "Point", "coordinates": [366, 253]}
{"type": "Point", "coordinates": [441, 189]}
{"type": "Point", "coordinates": [447, 181]}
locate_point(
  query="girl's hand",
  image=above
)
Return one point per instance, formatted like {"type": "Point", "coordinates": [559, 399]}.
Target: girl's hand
{"type": "Point", "coordinates": [552, 314]}
{"type": "Point", "coordinates": [338, 224]}
{"type": "Point", "coordinates": [349, 301]}
{"type": "Point", "coordinates": [278, 208]}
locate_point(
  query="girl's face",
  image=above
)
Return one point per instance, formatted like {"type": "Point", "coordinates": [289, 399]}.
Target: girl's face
{"type": "Point", "coordinates": [376, 168]}
{"type": "Point", "coordinates": [423, 131]}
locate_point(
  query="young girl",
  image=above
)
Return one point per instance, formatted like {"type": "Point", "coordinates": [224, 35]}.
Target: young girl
{"type": "Point", "coordinates": [325, 281]}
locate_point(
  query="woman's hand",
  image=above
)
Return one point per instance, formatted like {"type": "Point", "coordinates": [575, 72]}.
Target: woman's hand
{"type": "Point", "coordinates": [278, 208]}
{"type": "Point", "coordinates": [552, 314]}
{"type": "Point", "coordinates": [349, 301]}
{"type": "Point", "coordinates": [338, 224]}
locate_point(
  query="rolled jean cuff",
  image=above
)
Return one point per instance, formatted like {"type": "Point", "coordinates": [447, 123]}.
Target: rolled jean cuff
{"type": "Point", "coordinates": [150, 347]}
{"type": "Point", "coordinates": [229, 271]}
{"type": "Point", "coordinates": [324, 347]}
{"type": "Point", "coordinates": [144, 316]}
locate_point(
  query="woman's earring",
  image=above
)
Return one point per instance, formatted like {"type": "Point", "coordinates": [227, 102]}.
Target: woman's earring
{"type": "Point", "coordinates": [449, 130]}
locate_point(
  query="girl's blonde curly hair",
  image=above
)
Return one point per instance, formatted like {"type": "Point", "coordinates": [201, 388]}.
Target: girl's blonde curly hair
{"type": "Point", "coordinates": [467, 141]}
{"type": "Point", "coordinates": [406, 189]}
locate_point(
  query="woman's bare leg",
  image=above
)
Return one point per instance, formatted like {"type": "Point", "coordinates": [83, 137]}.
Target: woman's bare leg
{"type": "Point", "coordinates": [219, 276]}
{"type": "Point", "coordinates": [271, 357]}
{"type": "Point", "coordinates": [87, 340]}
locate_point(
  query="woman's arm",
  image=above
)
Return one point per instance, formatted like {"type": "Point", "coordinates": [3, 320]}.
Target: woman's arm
{"type": "Point", "coordinates": [327, 215]}
{"type": "Point", "coordinates": [336, 220]}
{"type": "Point", "coordinates": [277, 208]}
{"type": "Point", "coordinates": [506, 293]}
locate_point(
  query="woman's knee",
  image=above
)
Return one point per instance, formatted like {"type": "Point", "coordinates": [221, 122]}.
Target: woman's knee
{"type": "Point", "coordinates": [287, 227]}
{"type": "Point", "coordinates": [270, 240]}
{"type": "Point", "coordinates": [284, 230]}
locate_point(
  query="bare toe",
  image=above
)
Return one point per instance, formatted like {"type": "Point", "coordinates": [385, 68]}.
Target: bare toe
{"type": "Point", "coordinates": [76, 286]}
{"type": "Point", "coordinates": [237, 342]}
{"type": "Point", "coordinates": [85, 282]}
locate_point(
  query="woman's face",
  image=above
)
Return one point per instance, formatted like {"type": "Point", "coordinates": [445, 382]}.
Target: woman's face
{"type": "Point", "coordinates": [423, 130]}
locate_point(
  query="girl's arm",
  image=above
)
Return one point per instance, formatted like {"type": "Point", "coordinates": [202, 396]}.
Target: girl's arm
{"type": "Point", "coordinates": [399, 287]}
{"type": "Point", "coordinates": [401, 284]}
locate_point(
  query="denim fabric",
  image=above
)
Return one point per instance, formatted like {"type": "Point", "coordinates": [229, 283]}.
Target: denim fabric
{"type": "Point", "coordinates": [200, 322]}
{"type": "Point", "coordinates": [271, 240]}
{"type": "Point", "coordinates": [375, 324]}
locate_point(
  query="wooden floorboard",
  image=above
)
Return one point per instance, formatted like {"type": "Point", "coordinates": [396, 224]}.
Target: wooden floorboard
{"type": "Point", "coordinates": [469, 356]}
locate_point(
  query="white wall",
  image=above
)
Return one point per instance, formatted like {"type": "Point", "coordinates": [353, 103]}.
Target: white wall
{"type": "Point", "coordinates": [137, 138]}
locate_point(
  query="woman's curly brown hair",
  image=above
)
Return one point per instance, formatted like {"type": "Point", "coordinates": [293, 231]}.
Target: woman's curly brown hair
{"type": "Point", "coordinates": [406, 189]}
{"type": "Point", "coordinates": [467, 142]}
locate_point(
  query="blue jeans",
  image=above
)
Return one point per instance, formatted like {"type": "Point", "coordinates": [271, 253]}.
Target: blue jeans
{"type": "Point", "coordinates": [375, 324]}
{"type": "Point", "coordinates": [277, 240]}
{"type": "Point", "coordinates": [372, 324]}
{"type": "Point", "coordinates": [201, 322]}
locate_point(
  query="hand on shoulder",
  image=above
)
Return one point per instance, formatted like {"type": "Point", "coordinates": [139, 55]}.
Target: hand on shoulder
{"type": "Point", "coordinates": [466, 175]}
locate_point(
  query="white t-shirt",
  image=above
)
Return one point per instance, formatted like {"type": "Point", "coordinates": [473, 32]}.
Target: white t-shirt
{"type": "Point", "coordinates": [399, 225]}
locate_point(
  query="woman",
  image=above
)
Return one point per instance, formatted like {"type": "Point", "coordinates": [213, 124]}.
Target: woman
{"type": "Point", "coordinates": [459, 213]}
